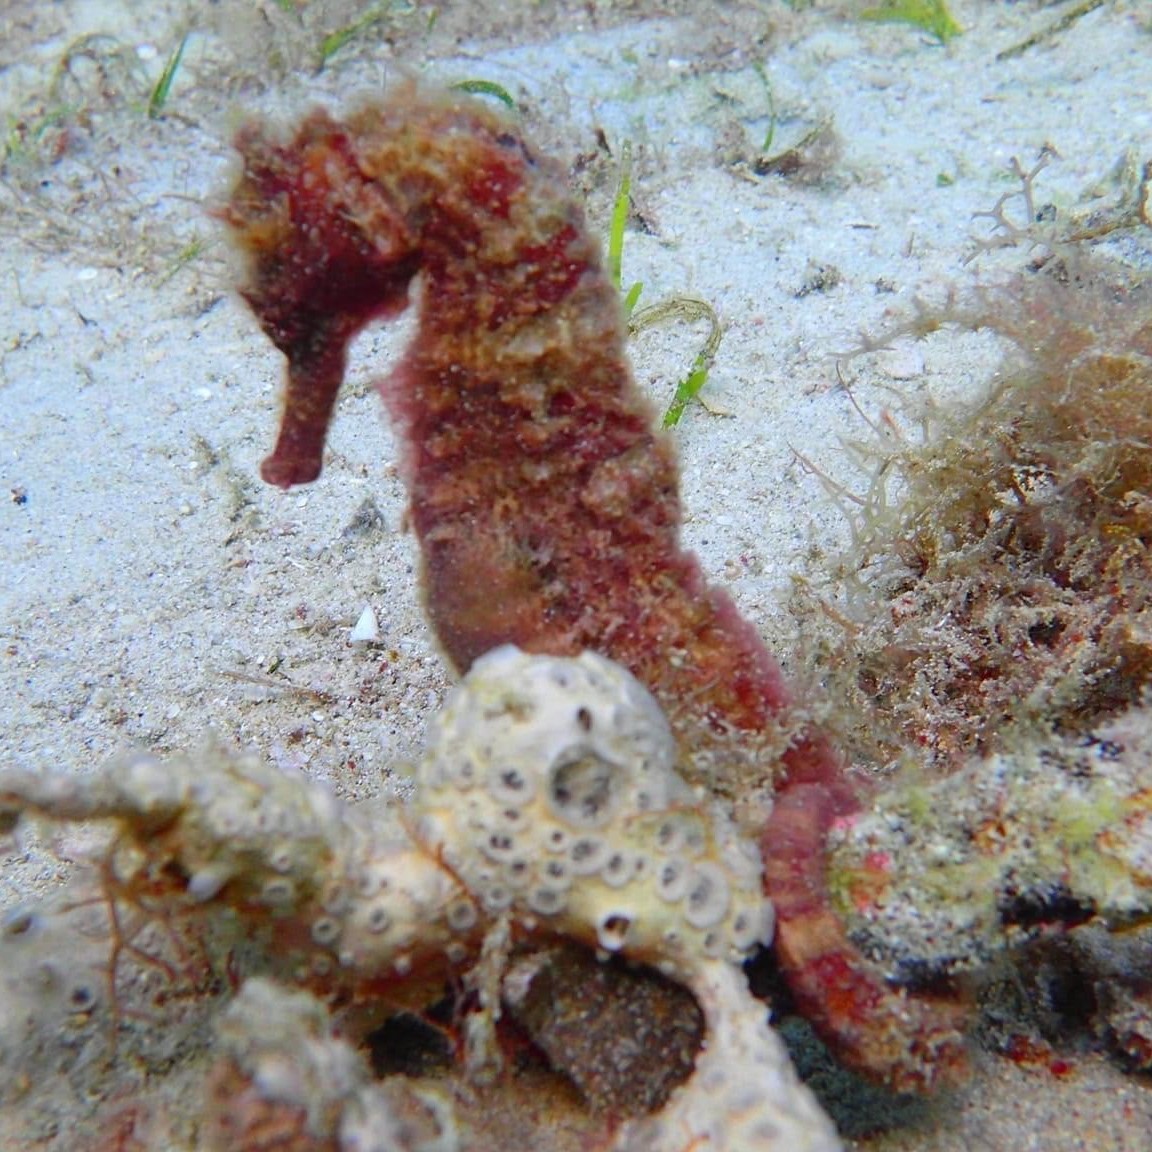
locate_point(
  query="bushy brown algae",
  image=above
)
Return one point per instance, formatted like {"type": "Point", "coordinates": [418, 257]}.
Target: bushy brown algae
{"type": "Point", "coordinates": [1011, 584]}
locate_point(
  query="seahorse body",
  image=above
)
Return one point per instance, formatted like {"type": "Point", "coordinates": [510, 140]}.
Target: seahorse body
{"type": "Point", "coordinates": [545, 502]}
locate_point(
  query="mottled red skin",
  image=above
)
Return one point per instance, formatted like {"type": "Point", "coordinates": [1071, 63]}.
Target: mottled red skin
{"type": "Point", "coordinates": [545, 502]}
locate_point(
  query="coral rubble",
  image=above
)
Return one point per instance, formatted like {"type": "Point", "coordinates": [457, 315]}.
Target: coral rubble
{"type": "Point", "coordinates": [284, 1080]}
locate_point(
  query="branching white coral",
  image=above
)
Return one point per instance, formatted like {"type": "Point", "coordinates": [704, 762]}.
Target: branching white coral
{"type": "Point", "coordinates": [547, 805]}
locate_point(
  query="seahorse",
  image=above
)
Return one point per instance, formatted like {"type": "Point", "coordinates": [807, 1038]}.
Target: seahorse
{"type": "Point", "coordinates": [545, 502]}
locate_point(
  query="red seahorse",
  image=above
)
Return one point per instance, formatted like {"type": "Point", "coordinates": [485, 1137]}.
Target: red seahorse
{"type": "Point", "coordinates": [545, 502]}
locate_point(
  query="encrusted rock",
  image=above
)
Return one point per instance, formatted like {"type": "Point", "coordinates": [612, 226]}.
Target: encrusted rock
{"type": "Point", "coordinates": [625, 1037]}
{"type": "Point", "coordinates": [944, 876]}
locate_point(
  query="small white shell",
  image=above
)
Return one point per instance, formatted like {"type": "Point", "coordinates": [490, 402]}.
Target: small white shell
{"type": "Point", "coordinates": [367, 629]}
